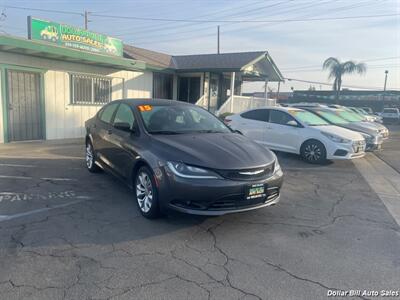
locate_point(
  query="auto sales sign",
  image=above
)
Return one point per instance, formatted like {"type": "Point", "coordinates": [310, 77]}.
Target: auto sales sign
{"type": "Point", "coordinates": [73, 37]}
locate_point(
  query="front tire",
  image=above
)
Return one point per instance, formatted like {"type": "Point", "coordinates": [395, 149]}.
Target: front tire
{"type": "Point", "coordinates": [146, 193]}
{"type": "Point", "coordinates": [90, 158]}
{"type": "Point", "coordinates": [313, 152]}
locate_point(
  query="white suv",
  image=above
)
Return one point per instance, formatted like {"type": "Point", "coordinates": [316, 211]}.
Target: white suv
{"type": "Point", "coordinates": [298, 131]}
{"type": "Point", "coordinates": [391, 114]}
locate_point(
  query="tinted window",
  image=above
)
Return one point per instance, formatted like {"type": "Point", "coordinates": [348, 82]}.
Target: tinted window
{"type": "Point", "coordinates": [107, 113]}
{"type": "Point", "coordinates": [175, 119]}
{"type": "Point", "coordinates": [124, 115]}
{"type": "Point", "coordinates": [308, 118]}
{"type": "Point", "coordinates": [332, 117]}
{"type": "Point", "coordinates": [349, 116]}
{"type": "Point", "coordinates": [280, 117]}
{"type": "Point", "coordinates": [390, 110]}
{"type": "Point", "coordinates": [256, 114]}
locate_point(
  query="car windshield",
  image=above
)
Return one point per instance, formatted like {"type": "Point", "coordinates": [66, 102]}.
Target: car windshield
{"type": "Point", "coordinates": [349, 116]}
{"type": "Point", "coordinates": [308, 118]}
{"type": "Point", "coordinates": [332, 117]}
{"type": "Point", "coordinates": [179, 119]}
{"type": "Point", "coordinates": [390, 110]}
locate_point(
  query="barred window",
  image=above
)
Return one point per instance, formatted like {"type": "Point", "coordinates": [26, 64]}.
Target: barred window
{"type": "Point", "coordinates": [86, 89]}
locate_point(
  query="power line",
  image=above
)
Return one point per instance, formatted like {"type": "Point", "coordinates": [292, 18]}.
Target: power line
{"type": "Point", "coordinates": [230, 15]}
{"type": "Point", "coordinates": [45, 10]}
{"type": "Point", "coordinates": [316, 66]}
{"type": "Point", "coordinates": [244, 21]}
{"type": "Point", "coordinates": [173, 27]}
{"type": "Point", "coordinates": [330, 84]}
{"type": "Point", "coordinates": [257, 26]}
{"type": "Point", "coordinates": [302, 7]}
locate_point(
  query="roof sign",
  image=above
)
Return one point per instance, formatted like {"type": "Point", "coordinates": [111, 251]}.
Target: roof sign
{"type": "Point", "coordinates": [73, 37]}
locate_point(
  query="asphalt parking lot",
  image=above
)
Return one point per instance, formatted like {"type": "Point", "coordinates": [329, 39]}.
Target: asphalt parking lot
{"type": "Point", "coordinates": [69, 234]}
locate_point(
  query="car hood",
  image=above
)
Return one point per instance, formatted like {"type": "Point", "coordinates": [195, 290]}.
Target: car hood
{"type": "Point", "coordinates": [359, 126]}
{"type": "Point", "coordinates": [340, 131]}
{"type": "Point", "coordinates": [225, 151]}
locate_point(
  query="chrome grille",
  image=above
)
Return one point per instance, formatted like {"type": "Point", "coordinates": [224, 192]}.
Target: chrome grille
{"type": "Point", "coordinates": [248, 174]}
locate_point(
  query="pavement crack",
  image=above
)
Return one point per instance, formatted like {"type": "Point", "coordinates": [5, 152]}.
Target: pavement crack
{"type": "Point", "coordinates": [314, 282]}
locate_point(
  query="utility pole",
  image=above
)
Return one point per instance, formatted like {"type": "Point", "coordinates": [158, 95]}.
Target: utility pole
{"type": "Point", "coordinates": [277, 94]}
{"type": "Point", "coordinates": [86, 16]}
{"type": "Point", "coordinates": [218, 39]}
{"type": "Point", "coordinates": [384, 86]}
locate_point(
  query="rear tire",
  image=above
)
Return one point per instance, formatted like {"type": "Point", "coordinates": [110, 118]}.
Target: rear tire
{"type": "Point", "coordinates": [313, 152]}
{"type": "Point", "coordinates": [90, 157]}
{"type": "Point", "coordinates": [146, 193]}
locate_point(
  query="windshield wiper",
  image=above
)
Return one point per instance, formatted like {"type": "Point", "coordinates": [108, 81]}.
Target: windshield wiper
{"type": "Point", "coordinates": [208, 131]}
{"type": "Point", "coordinates": [170, 132]}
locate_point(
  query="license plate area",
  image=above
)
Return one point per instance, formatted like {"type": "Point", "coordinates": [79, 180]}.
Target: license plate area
{"type": "Point", "coordinates": [256, 191]}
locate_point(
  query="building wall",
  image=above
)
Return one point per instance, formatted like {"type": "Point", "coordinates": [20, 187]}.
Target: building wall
{"type": "Point", "coordinates": [63, 119]}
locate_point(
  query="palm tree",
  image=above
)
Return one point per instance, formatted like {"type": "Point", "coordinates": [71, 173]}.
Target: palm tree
{"type": "Point", "coordinates": [337, 69]}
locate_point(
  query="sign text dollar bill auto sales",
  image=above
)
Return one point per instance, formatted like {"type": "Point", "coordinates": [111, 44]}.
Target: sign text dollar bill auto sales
{"type": "Point", "coordinates": [73, 37]}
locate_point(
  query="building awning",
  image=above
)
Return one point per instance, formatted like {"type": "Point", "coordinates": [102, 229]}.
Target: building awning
{"type": "Point", "coordinates": [253, 66]}
{"type": "Point", "coordinates": [50, 51]}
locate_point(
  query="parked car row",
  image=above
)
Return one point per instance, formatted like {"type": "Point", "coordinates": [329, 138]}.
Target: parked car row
{"type": "Point", "coordinates": [316, 132]}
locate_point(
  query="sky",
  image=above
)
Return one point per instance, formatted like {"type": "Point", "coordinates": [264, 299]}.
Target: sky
{"type": "Point", "coordinates": [299, 48]}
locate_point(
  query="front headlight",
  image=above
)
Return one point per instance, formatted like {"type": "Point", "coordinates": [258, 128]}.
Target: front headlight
{"type": "Point", "coordinates": [186, 171]}
{"type": "Point", "coordinates": [335, 138]}
{"type": "Point", "coordinates": [277, 166]}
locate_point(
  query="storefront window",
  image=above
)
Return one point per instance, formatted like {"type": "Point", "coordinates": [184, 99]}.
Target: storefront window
{"type": "Point", "coordinates": [162, 85]}
{"type": "Point", "coordinates": [86, 89]}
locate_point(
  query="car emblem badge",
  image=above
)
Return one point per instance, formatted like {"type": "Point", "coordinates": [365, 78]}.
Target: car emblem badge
{"type": "Point", "coordinates": [252, 172]}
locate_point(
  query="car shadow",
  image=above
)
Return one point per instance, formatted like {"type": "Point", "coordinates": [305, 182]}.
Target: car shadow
{"type": "Point", "coordinates": [56, 202]}
{"type": "Point", "coordinates": [291, 160]}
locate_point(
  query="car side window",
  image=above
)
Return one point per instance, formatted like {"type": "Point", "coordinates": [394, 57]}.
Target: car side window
{"type": "Point", "coordinates": [280, 117]}
{"type": "Point", "coordinates": [256, 115]}
{"type": "Point", "coordinates": [124, 114]}
{"type": "Point", "coordinates": [108, 112]}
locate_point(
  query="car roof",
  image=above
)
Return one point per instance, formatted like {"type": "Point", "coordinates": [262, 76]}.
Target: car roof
{"type": "Point", "coordinates": [151, 101]}
{"type": "Point", "coordinates": [281, 108]}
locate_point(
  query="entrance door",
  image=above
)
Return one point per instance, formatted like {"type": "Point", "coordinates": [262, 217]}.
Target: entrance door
{"type": "Point", "coordinates": [189, 89]}
{"type": "Point", "coordinates": [24, 111]}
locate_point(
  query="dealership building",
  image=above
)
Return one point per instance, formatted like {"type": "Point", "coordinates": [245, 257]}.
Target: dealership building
{"type": "Point", "coordinates": [59, 77]}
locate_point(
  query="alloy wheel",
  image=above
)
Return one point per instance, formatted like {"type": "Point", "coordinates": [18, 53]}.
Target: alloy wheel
{"type": "Point", "coordinates": [89, 156]}
{"type": "Point", "coordinates": [312, 152]}
{"type": "Point", "coordinates": [144, 191]}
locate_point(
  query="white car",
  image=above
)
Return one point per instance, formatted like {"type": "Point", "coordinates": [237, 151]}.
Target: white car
{"type": "Point", "coordinates": [298, 131]}
{"type": "Point", "coordinates": [391, 114]}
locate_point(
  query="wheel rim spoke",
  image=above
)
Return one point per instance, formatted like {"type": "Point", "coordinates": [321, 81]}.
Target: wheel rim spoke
{"type": "Point", "coordinates": [89, 156]}
{"type": "Point", "coordinates": [312, 152]}
{"type": "Point", "coordinates": [144, 192]}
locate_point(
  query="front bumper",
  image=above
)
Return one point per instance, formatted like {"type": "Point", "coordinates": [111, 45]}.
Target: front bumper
{"type": "Point", "coordinates": [374, 144]}
{"type": "Point", "coordinates": [347, 151]}
{"type": "Point", "coordinates": [214, 197]}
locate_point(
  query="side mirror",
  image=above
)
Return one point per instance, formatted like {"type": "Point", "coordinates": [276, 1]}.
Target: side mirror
{"type": "Point", "coordinates": [123, 126]}
{"type": "Point", "coordinates": [292, 123]}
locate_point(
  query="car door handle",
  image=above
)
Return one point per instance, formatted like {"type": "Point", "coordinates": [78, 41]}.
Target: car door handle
{"type": "Point", "coordinates": [109, 131]}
